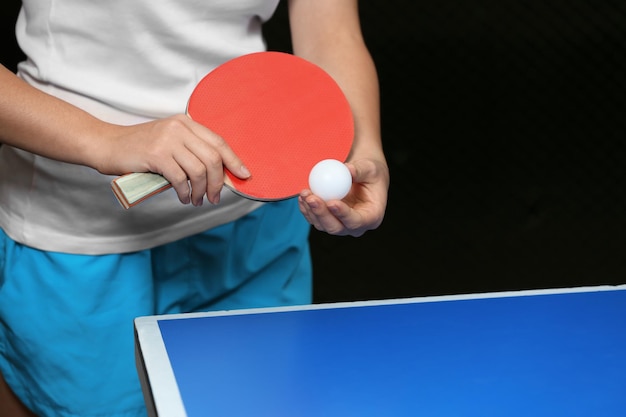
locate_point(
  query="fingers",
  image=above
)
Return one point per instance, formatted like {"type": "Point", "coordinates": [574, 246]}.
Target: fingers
{"type": "Point", "coordinates": [332, 217]}
{"type": "Point", "coordinates": [189, 177]}
{"type": "Point", "coordinates": [205, 165]}
{"type": "Point", "coordinates": [190, 156]}
{"type": "Point", "coordinates": [361, 210]}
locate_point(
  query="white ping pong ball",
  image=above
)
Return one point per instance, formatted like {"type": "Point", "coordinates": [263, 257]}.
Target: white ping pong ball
{"type": "Point", "coordinates": [330, 179]}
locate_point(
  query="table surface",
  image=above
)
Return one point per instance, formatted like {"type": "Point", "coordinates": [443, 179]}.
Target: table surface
{"type": "Point", "coordinates": [525, 353]}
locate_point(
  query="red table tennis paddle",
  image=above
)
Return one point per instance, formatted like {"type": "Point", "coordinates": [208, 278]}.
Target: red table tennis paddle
{"type": "Point", "coordinates": [280, 114]}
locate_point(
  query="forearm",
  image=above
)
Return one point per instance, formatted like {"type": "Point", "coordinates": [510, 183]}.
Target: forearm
{"type": "Point", "coordinates": [327, 32]}
{"type": "Point", "coordinates": [178, 148]}
{"type": "Point", "coordinates": [42, 124]}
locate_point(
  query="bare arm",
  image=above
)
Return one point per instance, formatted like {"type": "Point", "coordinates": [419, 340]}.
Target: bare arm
{"type": "Point", "coordinates": [37, 122]}
{"type": "Point", "coordinates": [183, 151]}
{"type": "Point", "coordinates": [328, 33]}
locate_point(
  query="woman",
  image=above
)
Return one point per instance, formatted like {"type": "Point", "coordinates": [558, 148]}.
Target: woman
{"type": "Point", "coordinates": [100, 95]}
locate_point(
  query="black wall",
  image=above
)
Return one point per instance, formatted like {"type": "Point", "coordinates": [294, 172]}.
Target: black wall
{"type": "Point", "coordinates": [505, 127]}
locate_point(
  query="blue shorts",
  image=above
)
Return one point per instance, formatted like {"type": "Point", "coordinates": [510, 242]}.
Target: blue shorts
{"type": "Point", "coordinates": [66, 321]}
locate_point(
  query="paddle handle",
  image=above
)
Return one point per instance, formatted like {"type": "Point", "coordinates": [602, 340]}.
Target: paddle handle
{"type": "Point", "coordinates": [132, 189]}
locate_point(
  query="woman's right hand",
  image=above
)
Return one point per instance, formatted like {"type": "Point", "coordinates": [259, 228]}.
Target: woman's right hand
{"type": "Point", "coordinates": [190, 156]}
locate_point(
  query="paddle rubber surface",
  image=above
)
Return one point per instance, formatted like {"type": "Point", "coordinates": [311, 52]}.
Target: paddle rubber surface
{"type": "Point", "coordinates": [280, 114]}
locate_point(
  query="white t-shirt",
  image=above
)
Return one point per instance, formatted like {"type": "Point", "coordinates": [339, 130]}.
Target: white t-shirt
{"type": "Point", "coordinates": [126, 62]}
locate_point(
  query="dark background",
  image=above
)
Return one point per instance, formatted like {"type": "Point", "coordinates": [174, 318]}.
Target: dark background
{"type": "Point", "coordinates": [504, 124]}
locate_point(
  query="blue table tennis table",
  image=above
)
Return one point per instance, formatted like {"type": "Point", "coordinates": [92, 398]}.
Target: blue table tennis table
{"type": "Point", "coordinates": [532, 353]}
